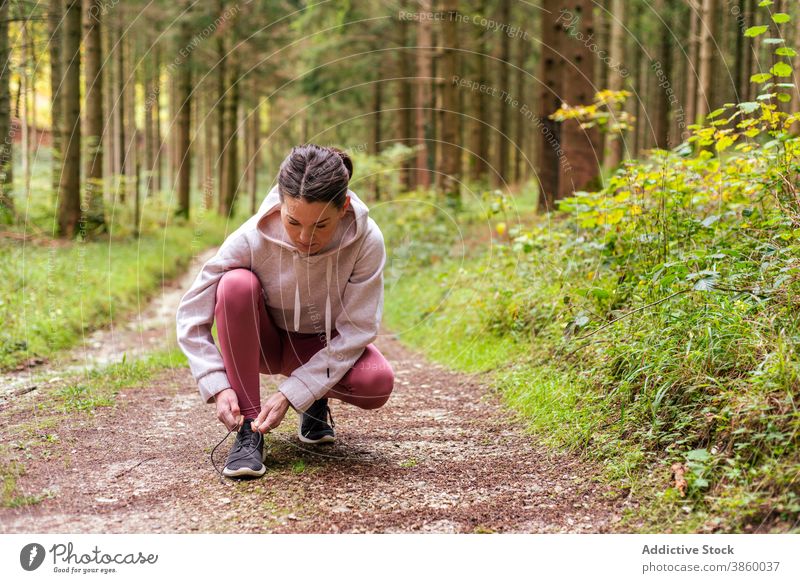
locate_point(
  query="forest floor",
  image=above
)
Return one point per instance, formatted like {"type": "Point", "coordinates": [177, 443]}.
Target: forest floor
{"type": "Point", "coordinates": [443, 455]}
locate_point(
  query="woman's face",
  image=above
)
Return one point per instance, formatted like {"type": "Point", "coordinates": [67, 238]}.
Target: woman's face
{"type": "Point", "coordinates": [310, 225]}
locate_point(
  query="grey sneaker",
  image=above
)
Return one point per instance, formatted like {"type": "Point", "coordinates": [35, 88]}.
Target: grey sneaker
{"type": "Point", "coordinates": [313, 425]}
{"type": "Point", "coordinates": [247, 454]}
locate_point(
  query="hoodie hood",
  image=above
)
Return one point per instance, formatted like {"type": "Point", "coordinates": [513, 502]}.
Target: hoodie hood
{"type": "Point", "coordinates": [352, 227]}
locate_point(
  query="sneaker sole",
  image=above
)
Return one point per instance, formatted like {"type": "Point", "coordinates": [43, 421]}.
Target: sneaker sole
{"type": "Point", "coordinates": [323, 439]}
{"type": "Point", "coordinates": [244, 472]}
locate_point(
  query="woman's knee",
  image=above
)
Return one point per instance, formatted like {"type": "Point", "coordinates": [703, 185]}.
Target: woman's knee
{"type": "Point", "coordinates": [380, 383]}
{"type": "Point", "coordinates": [238, 287]}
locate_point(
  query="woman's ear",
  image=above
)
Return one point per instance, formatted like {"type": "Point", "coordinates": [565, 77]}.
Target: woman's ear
{"type": "Point", "coordinates": [345, 206]}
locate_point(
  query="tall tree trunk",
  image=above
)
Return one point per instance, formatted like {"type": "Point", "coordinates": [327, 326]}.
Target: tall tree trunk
{"type": "Point", "coordinates": [450, 169]}
{"type": "Point", "coordinates": [6, 136]}
{"type": "Point", "coordinates": [405, 104]}
{"type": "Point", "coordinates": [120, 108]}
{"type": "Point", "coordinates": [480, 138]}
{"type": "Point", "coordinates": [707, 49]}
{"type": "Point", "coordinates": [520, 128]}
{"type": "Point", "coordinates": [184, 93]}
{"type": "Point", "coordinates": [501, 177]}
{"type": "Point", "coordinates": [208, 145]}
{"type": "Point", "coordinates": [567, 153]}
{"type": "Point", "coordinates": [69, 188]}
{"type": "Point", "coordinates": [255, 156]}
{"type": "Point", "coordinates": [24, 118]}
{"type": "Point", "coordinates": [229, 143]}
{"type": "Point", "coordinates": [54, 15]}
{"type": "Point", "coordinates": [222, 72]}
{"type": "Point", "coordinates": [157, 157]}
{"type": "Point", "coordinates": [424, 76]}
{"type": "Point", "coordinates": [615, 142]}
{"type": "Point", "coordinates": [93, 199]}
{"type": "Point", "coordinates": [377, 138]}
{"type": "Point", "coordinates": [661, 122]}
{"type": "Point", "coordinates": [692, 70]}
{"type": "Point", "coordinates": [129, 113]}
{"type": "Point", "coordinates": [551, 63]}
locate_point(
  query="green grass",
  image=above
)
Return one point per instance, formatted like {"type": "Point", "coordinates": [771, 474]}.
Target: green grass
{"type": "Point", "coordinates": [708, 378]}
{"type": "Point", "coordinates": [53, 293]}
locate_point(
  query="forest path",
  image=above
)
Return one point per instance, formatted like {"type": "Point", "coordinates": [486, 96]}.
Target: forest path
{"type": "Point", "coordinates": [443, 455]}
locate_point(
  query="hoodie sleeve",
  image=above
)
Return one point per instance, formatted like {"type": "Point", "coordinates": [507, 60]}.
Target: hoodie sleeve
{"type": "Point", "coordinates": [357, 324]}
{"type": "Point", "coordinates": [195, 316]}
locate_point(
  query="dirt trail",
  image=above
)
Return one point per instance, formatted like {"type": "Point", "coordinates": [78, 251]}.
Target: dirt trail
{"type": "Point", "coordinates": [442, 456]}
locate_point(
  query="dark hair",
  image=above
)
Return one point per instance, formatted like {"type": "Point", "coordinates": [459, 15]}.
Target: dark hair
{"type": "Point", "coordinates": [315, 174]}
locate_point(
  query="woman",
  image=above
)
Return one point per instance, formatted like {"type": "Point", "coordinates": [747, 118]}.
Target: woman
{"type": "Point", "coordinates": [296, 290]}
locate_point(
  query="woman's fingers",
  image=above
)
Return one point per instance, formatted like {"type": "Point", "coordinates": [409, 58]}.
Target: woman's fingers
{"type": "Point", "coordinates": [259, 424]}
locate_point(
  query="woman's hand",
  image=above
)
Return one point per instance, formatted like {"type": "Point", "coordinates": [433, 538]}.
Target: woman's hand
{"type": "Point", "coordinates": [227, 408]}
{"type": "Point", "coordinates": [272, 414]}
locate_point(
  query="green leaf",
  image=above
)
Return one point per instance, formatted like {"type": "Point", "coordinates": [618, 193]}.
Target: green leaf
{"type": "Point", "coordinates": [715, 113]}
{"type": "Point", "coordinates": [773, 41]}
{"type": "Point", "coordinates": [755, 30]}
{"type": "Point", "coordinates": [786, 52]}
{"type": "Point", "coordinates": [781, 69]}
{"type": "Point", "coordinates": [760, 77]}
{"type": "Point", "coordinates": [698, 455]}
{"type": "Point", "coordinates": [749, 106]}
{"type": "Point", "coordinates": [765, 3]}
{"type": "Point", "coordinates": [784, 97]}
{"type": "Point", "coordinates": [780, 18]}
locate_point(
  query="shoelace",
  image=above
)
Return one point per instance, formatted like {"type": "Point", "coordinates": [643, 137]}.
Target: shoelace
{"type": "Point", "coordinates": [245, 452]}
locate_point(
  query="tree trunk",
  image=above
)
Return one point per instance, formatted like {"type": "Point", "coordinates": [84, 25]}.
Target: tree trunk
{"type": "Point", "coordinates": [230, 143]}
{"type": "Point", "coordinates": [377, 138]}
{"type": "Point", "coordinates": [69, 188]}
{"type": "Point", "coordinates": [24, 118]}
{"type": "Point", "coordinates": [661, 130]}
{"type": "Point", "coordinates": [567, 153]}
{"type": "Point", "coordinates": [94, 115]}
{"type": "Point", "coordinates": [157, 169]}
{"type": "Point", "coordinates": [6, 200]}
{"type": "Point", "coordinates": [480, 138]}
{"type": "Point", "coordinates": [208, 145]}
{"type": "Point", "coordinates": [692, 69]}
{"type": "Point", "coordinates": [54, 14]}
{"type": "Point", "coordinates": [184, 104]}
{"type": "Point", "coordinates": [615, 142]}
{"type": "Point", "coordinates": [501, 176]}
{"type": "Point", "coordinates": [706, 97]}
{"type": "Point", "coordinates": [521, 164]}
{"type": "Point", "coordinates": [450, 169]}
{"type": "Point", "coordinates": [405, 105]}
{"type": "Point", "coordinates": [255, 156]}
{"type": "Point", "coordinates": [222, 72]}
{"type": "Point", "coordinates": [423, 113]}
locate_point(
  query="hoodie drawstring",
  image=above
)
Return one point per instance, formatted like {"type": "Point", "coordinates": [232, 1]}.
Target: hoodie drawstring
{"type": "Point", "coordinates": [296, 297]}
{"type": "Point", "coordinates": [328, 270]}
{"type": "Point", "coordinates": [328, 313]}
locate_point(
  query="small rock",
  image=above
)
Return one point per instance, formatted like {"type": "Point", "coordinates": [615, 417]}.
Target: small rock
{"type": "Point", "coordinates": [224, 500]}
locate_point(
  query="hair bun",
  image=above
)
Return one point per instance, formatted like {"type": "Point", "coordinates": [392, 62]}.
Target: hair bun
{"type": "Point", "coordinates": [348, 162]}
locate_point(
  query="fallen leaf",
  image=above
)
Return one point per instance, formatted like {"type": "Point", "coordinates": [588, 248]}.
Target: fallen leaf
{"type": "Point", "coordinates": [679, 473]}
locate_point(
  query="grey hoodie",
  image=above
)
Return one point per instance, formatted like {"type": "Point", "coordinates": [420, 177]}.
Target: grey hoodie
{"type": "Point", "coordinates": [343, 281]}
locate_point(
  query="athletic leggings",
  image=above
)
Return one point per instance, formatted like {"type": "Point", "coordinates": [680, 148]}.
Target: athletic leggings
{"type": "Point", "coordinates": [251, 343]}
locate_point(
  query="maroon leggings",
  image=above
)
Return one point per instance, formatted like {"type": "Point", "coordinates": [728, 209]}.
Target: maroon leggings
{"type": "Point", "coordinates": [251, 343]}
